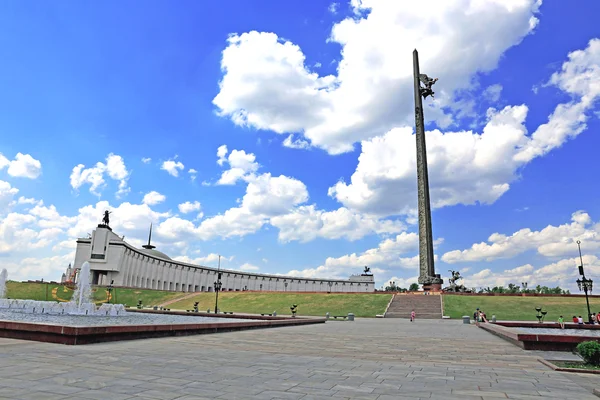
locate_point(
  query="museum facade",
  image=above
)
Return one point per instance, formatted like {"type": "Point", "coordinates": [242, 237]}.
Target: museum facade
{"type": "Point", "coordinates": [114, 261]}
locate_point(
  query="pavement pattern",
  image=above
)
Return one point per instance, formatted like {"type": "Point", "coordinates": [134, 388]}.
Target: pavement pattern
{"type": "Point", "coordinates": [383, 359]}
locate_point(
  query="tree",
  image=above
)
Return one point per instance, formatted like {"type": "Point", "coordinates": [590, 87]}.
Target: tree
{"type": "Point", "coordinates": [413, 287]}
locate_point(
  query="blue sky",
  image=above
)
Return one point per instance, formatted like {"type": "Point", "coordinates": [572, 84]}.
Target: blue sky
{"type": "Point", "coordinates": [313, 103]}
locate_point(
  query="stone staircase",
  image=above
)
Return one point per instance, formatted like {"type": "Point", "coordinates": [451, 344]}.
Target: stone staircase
{"type": "Point", "coordinates": [425, 306]}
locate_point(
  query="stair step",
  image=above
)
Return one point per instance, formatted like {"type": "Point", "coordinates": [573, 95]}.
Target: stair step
{"type": "Point", "coordinates": [425, 307]}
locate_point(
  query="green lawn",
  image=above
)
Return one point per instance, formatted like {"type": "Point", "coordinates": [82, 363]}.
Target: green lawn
{"type": "Point", "coordinates": [517, 308]}
{"type": "Point", "coordinates": [362, 305]}
{"type": "Point", "coordinates": [50, 292]}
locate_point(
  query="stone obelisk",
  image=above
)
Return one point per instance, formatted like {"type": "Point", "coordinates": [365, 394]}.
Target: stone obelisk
{"type": "Point", "coordinates": [427, 275]}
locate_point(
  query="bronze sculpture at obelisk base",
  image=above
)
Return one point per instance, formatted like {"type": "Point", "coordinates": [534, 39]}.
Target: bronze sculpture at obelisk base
{"type": "Point", "coordinates": [427, 276]}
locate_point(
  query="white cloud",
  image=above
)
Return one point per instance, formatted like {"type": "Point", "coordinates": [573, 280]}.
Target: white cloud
{"type": "Point", "coordinates": [266, 84]}
{"type": "Point", "coordinates": [552, 241]}
{"type": "Point", "coordinates": [466, 167]}
{"type": "Point", "coordinates": [146, 160]}
{"type": "Point", "coordinates": [23, 166]}
{"type": "Point", "coordinates": [189, 207]}
{"type": "Point", "coordinates": [152, 198]}
{"type": "Point", "coordinates": [307, 223]}
{"type": "Point", "coordinates": [562, 273]}
{"type": "Point", "coordinates": [242, 165]}
{"type": "Point", "coordinates": [273, 195]}
{"type": "Point", "coordinates": [492, 93]}
{"type": "Point", "coordinates": [221, 153]}
{"type": "Point", "coordinates": [578, 77]}
{"type": "Point", "coordinates": [115, 169]}
{"type": "Point", "coordinates": [333, 8]}
{"type": "Point", "coordinates": [172, 167]}
{"type": "Point", "coordinates": [193, 174]}
{"type": "Point", "coordinates": [295, 144]}
{"type": "Point", "coordinates": [249, 267]}
{"type": "Point", "coordinates": [25, 200]}
{"type": "Point", "coordinates": [47, 268]}
{"type": "Point", "coordinates": [210, 260]}
{"type": "Point", "coordinates": [7, 192]}
{"type": "Point", "coordinates": [132, 220]}
{"type": "Point", "coordinates": [400, 282]}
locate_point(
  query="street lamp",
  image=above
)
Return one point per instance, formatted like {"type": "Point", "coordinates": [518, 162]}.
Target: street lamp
{"type": "Point", "coordinates": [109, 289]}
{"type": "Point", "coordinates": [524, 286]}
{"type": "Point", "coordinates": [584, 284]}
{"type": "Point", "coordinates": [285, 284]}
{"type": "Point", "coordinates": [330, 285]}
{"type": "Point", "coordinates": [217, 285]}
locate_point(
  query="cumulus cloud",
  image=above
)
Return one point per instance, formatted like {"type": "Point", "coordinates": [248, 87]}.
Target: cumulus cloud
{"type": "Point", "coordinates": [279, 201]}
{"type": "Point", "coordinates": [146, 160]}
{"type": "Point", "coordinates": [390, 254]}
{"type": "Point", "coordinates": [152, 198]}
{"type": "Point", "coordinates": [47, 268]}
{"type": "Point", "coordinates": [210, 260]}
{"type": "Point", "coordinates": [295, 143]}
{"type": "Point", "coordinates": [249, 267]}
{"type": "Point", "coordinates": [94, 176]}
{"type": "Point", "coordinates": [307, 223]}
{"type": "Point", "coordinates": [193, 174]}
{"type": "Point", "coordinates": [561, 273]}
{"type": "Point", "coordinates": [23, 166]}
{"type": "Point", "coordinates": [189, 207]}
{"type": "Point", "coordinates": [267, 85]}
{"type": "Point", "coordinates": [492, 93]}
{"type": "Point", "coordinates": [7, 193]}
{"type": "Point", "coordinates": [467, 167]}
{"type": "Point", "coordinates": [242, 165]}
{"type": "Point", "coordinates": [552, 241]}
{"type": "Point", "coordinates": [172, 167]}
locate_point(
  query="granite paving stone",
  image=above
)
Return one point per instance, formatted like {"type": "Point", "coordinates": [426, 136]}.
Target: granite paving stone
{"type": "Point", "coordinates": [376, 359]}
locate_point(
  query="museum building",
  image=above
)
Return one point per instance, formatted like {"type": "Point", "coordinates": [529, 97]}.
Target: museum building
{"type": "Point", "coordinates": [114, 261]}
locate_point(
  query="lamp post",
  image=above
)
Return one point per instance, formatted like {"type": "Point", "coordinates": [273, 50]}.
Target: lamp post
{"type": "Point", "coordinates": [285, 284]}
{"type": "Point", "coordinates": [218, 286]}
{"type": "Point", "coordinates": [330, 285]}
{"type": "Point", "coordinates": [524, 285]}
{"type": "Point", "coordinates": [584, 284]}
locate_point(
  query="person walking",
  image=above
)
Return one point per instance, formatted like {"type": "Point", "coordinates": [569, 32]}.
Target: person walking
{"type": "Point", "coordinates": [412, 316]}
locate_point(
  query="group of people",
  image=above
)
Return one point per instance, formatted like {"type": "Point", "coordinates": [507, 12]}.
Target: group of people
{"type": "Point", "coordinates": [479, 316]}
{"type": "Point", "coordinates": [579, 320]}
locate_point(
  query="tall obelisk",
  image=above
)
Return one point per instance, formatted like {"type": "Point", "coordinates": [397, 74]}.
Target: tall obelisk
{"type": "Point", "coordinates": [427, 276]}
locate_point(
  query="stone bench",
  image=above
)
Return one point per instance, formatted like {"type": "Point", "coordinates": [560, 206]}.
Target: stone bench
{"type": "Point", "coordinates": [340, 316]}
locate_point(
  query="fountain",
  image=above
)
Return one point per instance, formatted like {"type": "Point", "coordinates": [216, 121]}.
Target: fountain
{"type": "Point", "coordinates": [79, 321]}
{"type": "Point", "coordinates": [80, 304]}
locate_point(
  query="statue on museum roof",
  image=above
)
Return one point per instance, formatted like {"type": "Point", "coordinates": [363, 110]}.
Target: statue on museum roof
{"type": "Point", "coordinates": [106, 219]}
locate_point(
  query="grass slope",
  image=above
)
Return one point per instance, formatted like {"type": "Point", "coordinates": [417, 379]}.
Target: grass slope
{"type": "Point", "coordinates": [50, 292]}
{"type": "Point", "coordinates": [516, 308]}
{"type": "Point", "coordinates": [313, 304]}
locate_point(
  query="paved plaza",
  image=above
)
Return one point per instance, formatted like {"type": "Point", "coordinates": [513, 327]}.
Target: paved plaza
{"type": "Point", "coordinates": [381, 359]}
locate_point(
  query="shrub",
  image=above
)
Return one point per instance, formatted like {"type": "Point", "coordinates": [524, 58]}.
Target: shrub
{"type": "Point", "coordinates": [590, 352]}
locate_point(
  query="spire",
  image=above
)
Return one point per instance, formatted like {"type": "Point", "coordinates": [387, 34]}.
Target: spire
{"type": "Point", "coordinates": [149, 246]}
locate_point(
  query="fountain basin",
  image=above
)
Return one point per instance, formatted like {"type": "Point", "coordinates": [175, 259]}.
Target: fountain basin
{"type": "Point", "coordinates": [546, 336]}
{"type": "Point", "coordinates": [80, 329]}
